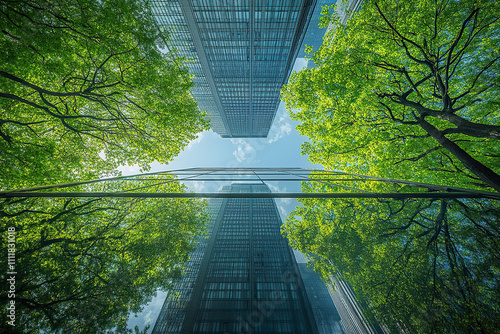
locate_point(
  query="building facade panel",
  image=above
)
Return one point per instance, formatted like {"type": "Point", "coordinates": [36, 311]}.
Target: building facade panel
{"type": "Point", "coordinates": [246, 281]}
{"type": "Point", "coordinates": [242, 52]}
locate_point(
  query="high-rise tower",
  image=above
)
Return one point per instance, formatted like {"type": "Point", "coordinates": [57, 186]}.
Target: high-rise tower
{"type": "Point", "coordinates": [242, 52]}
{"type": "Point", "coordinates": [242, 278]}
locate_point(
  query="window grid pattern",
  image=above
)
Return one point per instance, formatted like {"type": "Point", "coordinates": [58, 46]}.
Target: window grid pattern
{"type": "Point", "coordinates": [250, 46]}
{"type": "Point", "coordinates": [326, 316]}
{"type": "Point", "coordinates": [252, 41]}
{"type": "Point", "coordinates": [173, 312]}
{"type": "Point", "coordinates": [245, 273]}
{"type": "Point", "coordinates": [170, 19]}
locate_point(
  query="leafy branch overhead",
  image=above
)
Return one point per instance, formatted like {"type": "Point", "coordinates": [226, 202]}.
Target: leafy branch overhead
{"type": "Point", "coordinates": [406, 88]}
{"type": "Point", "coordinates": [81, 79]}
{"type": "Point", "coordinates": [85, 264]}
{"type": "Point", "coordinates": [419, 265]}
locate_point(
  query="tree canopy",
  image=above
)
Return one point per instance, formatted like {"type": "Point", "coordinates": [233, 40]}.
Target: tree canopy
{"type": "Point", "coordinates": [406, 90]}
{"type": "Point", "coordinates": [420, 265]}
{"type": "Point", "coordinates": [85, 87]}
{"type": "Point", "coordinates": [84, 264]}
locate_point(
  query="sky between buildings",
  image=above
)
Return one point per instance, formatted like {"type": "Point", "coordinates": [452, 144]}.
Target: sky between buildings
{"type": "Point", "coordinates": [280, 149]}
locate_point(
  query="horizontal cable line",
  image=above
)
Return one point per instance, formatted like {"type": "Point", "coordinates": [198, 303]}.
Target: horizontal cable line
{"type": "Point", "coordinates": [252, 195]}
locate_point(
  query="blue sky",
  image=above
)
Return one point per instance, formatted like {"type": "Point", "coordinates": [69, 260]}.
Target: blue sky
{"type": "Point", "coordinates": [280, 149]}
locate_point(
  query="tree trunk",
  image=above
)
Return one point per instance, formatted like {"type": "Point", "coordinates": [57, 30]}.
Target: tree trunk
{"type": "Point", "coordinates": [469, 128]}
{"type": "Point", "coordinates": [484, 173]}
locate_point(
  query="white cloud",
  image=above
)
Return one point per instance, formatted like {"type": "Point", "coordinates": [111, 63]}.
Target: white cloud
{"type": "Point", "coordinates": [281, 126]}
{"type": "Point", "coordinates": [281, 202]}
{"type": "Point", "coordinates": [284, 130]}
{"type": "Point", "coordinates": [197, 186]}
{"type": "Point", "coordinates": [274, 188]}
{"type": "Point", "coordinates": [149, 314]}
{"type": "Point", "coordinates": [244, 151]}
{"type": "Point", "coordinates": [283, 212]}
{"type": "Point", "coordinates": [196, 141]}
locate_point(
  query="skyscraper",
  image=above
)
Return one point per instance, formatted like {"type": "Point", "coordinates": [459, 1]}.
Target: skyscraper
{"type": "Point", "coordinates": [242, 278]}
{"type": "Point", "coordinates": [325, 313]}
{"type": "Point", "coordinates": [242, 51]}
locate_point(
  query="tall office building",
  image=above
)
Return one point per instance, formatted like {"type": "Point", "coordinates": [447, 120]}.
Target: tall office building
{"type": "Point", "coordinates": [242, 52]}
{"type": "Point", "coordinates": [242, 278]}
{"type": "Point", "coordinates": [325, 313]}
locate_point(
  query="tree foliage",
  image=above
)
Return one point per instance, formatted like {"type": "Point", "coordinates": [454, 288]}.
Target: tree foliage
{"type": "Point", "coordinates": [84, 88]}
{"type": "Point", "coordinates": [406, 89]}
{"type": "Point", "coordinates": [421, 265]}
{"type": "Point", "coordinates": [84, 264]}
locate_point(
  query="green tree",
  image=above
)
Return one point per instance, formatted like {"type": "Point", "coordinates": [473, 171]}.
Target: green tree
{"type": "Point", "coordinates": [84, 88]}
{"type": "Point", "coordinates": [421, 265]}
{"type": "Point", "coordinates": [406, 90]}
{"type": "Point", "coordinates": [84, 264]}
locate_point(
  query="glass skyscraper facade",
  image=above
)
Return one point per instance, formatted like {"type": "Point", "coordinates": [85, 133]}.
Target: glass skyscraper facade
{"type": "Point", "coordinates": [242, 277]}
{"type": "Point", "coordinates": [242, 52]}
{"type": "Point", "coordinates": [325, 313]}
